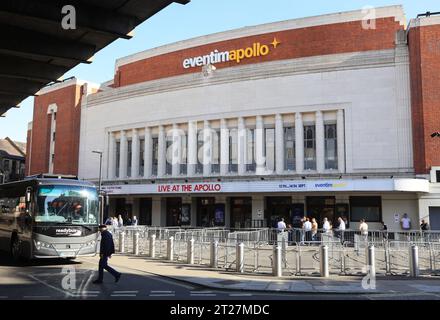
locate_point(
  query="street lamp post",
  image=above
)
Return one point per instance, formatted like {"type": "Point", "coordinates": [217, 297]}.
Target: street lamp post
{"type": "Point", "coordinates": [99, 185]}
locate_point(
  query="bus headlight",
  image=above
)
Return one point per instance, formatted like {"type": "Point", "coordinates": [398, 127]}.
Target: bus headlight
{"type": "Point", "coordinates": [41, 244]}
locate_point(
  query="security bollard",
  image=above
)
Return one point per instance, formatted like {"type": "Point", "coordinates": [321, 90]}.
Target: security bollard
{"type": "Point", "coordinates": [153, 246]}
{"type": "Point", "coordinates": [170, 249]}
{"type": "Point", "coordinates": [240, 258]}
{"type": "Point", "coordinates": [371, 261]}
{"type": "Point", "coordinates": [190, 251]}
{"type": "Point", "coordinates": [387, 259]}
{"type": "Point", "coordinates": [414, 261]}
{"type": "Point", "coordinates": [277, 270]}
{"type": "Point", "coordinates": [122, 242]}
{"type": "Point", "coordinates": [136, 244]}
{"type": "Point", "coordinates": [324, 262]}
{"type": "Point", "coordinates": [214, 254]}
{"type": "Point", "coordinates": [284, 244]}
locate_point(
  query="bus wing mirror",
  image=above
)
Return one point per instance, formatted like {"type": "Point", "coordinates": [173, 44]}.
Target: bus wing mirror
{"type": "Point", "coordinates": [28, 195]}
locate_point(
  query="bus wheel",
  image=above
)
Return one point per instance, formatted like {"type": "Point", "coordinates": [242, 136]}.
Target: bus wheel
{"type": "Point", "coordinates": [15, 249]}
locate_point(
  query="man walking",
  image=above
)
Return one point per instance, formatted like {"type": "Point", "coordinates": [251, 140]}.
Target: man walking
{"type": "Point", "coordinates": [106, 250]}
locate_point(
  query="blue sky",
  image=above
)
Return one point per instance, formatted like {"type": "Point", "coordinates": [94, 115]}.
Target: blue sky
{"type": "Point", "coordinates": [200, 17]}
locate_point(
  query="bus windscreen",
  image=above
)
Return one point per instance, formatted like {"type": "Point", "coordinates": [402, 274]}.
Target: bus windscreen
{"type": "Point", "coordinates": [67, 204]}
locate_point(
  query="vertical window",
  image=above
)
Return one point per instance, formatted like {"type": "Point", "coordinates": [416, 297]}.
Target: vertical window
{"type": "Point", "coordinates": [437, 174]}
{"type": "Point", "coordinates": [155, 155]}
{"type": "Point", "coordinates": [331, 147]}
{"type": "Point", "coordinates": [129, 157]}
{"type": "Point", "coordinates": [183, 155]}
{"type": "Point", "coordinates": [310, 147]}
{"type": "Point", "coordinates": [215, 151]}
{"type": "Point", "coordinates": [118, 158]}
{"type": "Point", "coordinates": [270, 148]}
{"type": "Point", "coordinates": [200, 143]}
{"type": "Point", "coordinates": [141, 156]}
{"type": "Point", "coordinates": [289, 149]}
{"type": "Point", "coordinates": [233, 150]}
{"type": "Point", "coordinates": [169, 158]}
{"type": "Point", "coordinates": [250, 150]}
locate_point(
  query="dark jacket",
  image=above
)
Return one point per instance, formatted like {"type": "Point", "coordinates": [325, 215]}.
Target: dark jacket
{"type": "Point", "coordinates": [107, 246]}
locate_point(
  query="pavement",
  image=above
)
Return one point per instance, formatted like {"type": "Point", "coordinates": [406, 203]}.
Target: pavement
{"type": "Point", "coordinates": [231, 281]}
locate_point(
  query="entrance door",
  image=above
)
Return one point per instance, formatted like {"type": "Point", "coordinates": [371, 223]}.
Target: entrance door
{"type": "Point", "coordinates": [434, 218]}
{"type": "Point", "coordinates": [277, 208]}
{"type": "Point", "coordinates": [125, 210]}
{"type": "Point", "coordinates": [206, 212]}
{"type": "Point", "coordinates": [174, 212]}
{"type": "Point", "coordinates": [145, 207]}
{"type": "Point", "coordinates": [320, 208]}
{"type": "Point", "coordinates": [241, 212]}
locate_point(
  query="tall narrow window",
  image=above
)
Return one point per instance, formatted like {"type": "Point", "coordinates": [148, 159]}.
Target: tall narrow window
{"type": "Point", "coordinates": [250, 151]}
{"type": "Point", "coordinates": [118, 158]}
{"type": "Point", "coordinates": [129, 157]}
{"type": "Point", "coordinates": [155, 155]}
{"type": "Point", "coordinates": [270, 148]}
{"type": "Point", "coordinates": [200, 143]}
{"type": "Point", "coordinates": [310, 147]}
{"type": "Point", "coordinates": [169, 158]}
{"type": "Point", "coordinates": [141, 157]}
{"type": "Point", "coordinates": [215, 168]}
{"type": "Point", "coordinates": [331, 147]}
{"type": "Point", "coordinates": [183, 155]}
{"type": "Point", "coordinates": [289, 149]}
{"type": "Point", "coordinates": [233, 150]}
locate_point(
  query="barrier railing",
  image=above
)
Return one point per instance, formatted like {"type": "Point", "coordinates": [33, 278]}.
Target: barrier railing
{"type": "Point", "coordinates": [268, 251]}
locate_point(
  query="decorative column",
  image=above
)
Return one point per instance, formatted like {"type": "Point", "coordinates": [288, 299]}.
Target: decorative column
{"type": "Point", "coordinates": [162, 157]}
{"type": "Point", "coordinates": [177, 151]}
{"type": "Point", "coordinates": [241, 145]}
{"type": "Point", "coordinates": [341, 141]}
{"type": "Point", "coordinates": [224, 148]}
{"type": "Point", "coordinates": [279, 144]}
{"type": "Point", "coordinates": [123, 155]}
{"type": "Point", "coordinates": [320, 142]}
{"type": "Point", "coordinates": [135, 154]}
{"type": "Point", "coordinates": [299, 143]}
{"type": "Point", "coordinates": [111, 156]}
{"type": "Point", "coordinates": [192, 148]}
{"type": "Point", "coordinates": [259, 146]}
{"type": "Point", "coordinates": [148, 154]}
{"type": "Point", "coordinates": [207, 149]}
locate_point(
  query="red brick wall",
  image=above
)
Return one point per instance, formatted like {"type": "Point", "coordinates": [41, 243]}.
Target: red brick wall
{"type": "Point", "coordinates": [68, 101]}
{"type": "Point", "coordinates": [297, 43]}
{"type": "Point", "coordinates": [424, 46]}
{"type": "Point", "coordinates": [28, 151]}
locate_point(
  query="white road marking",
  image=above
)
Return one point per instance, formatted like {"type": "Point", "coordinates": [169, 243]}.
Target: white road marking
{"type": "Point", "coordinates": [3, 297]}
{"type": "Point", "coordinates": [36, 297]}
{"type": "Point", "coordinates": [50, 286]}
{"type": "Point", "coordinates": [203, 295]}
{"type": "Point", "coordinates": [152, 291]}
{"type": "Point", "coordinates": [133, 291]}
{"type": "Point", "coordinates": [240, 294]}
{"type": "Point", "coordinates": [163, 295]}
{"type": "Point", "coordinates": [123, 295]}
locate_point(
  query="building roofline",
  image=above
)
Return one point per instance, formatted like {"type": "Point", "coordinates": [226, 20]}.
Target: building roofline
{"type": "Point", "coordinates": [65, 84]}
{"type": "Point", "coordinates": [395, 11]}
{"type": "Point", "coordinates": [15, 146]}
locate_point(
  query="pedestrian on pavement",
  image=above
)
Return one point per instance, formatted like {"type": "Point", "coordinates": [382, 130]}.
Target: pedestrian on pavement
{"type": "Point", "coordinates": [341, 229]}
{"type": "Point", "coordinates": [135, 221]}
{"type": "Point", "coordinates": [314, 230]}
{"type": "Point", "coordinates": [326, 225]}
{"type": "Point", "coordinates": [424, 226]}
{"type": "Point", "coordinates": [363, 228]}
{"type": "Point", "coordinates": [307, 230]}
{"type": "Point", "coordinates": [120, 221]}
{"type": "Point", "coordinates": [109, 221]}
{"type": "Point", "coordinates": [115, 223]}
{"type": "Point", "coordinates": [107, 248]}
{"type": "Point", "coordinates": [281, 225]}
{"type": "Point", "coordinates": [405, 222]}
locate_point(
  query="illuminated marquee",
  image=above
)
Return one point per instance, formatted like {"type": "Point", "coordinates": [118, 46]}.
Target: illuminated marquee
{"type": "Point", "coordinates": [237, 55]}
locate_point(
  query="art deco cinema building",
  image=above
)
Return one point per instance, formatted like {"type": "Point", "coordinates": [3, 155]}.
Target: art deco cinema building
{"type": "Point", "coordinates": [322, 116]}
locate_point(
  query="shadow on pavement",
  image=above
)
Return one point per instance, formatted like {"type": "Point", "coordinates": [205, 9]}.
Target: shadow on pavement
{"type": "Point", "coordinates": [7, 261]}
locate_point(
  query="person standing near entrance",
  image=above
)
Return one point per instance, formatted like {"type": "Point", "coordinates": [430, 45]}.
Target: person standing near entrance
{"type": "Point", "coordinates": [326, 225]}
{"type": "Point", "coordinates": [281, 225]}
{"type": "Point", "coordinates": [107, 248]}
{"type": "Point", "coordinates": [314, 230]}
{"type": "Point", "coordinates": [363, 228]}
{"type": "Point", "coordinates": [405, 222]}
